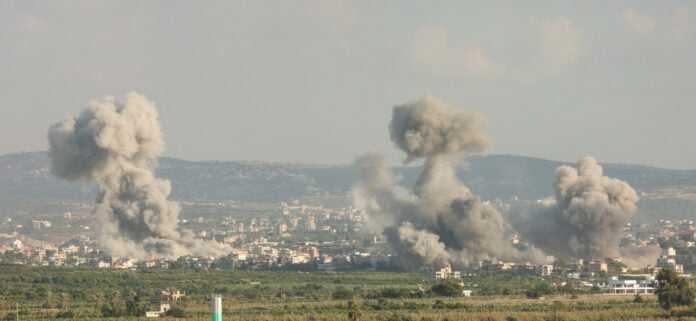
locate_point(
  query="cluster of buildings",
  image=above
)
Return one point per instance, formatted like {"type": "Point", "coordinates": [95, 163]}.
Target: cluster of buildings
{"type": "Point", "coordinates": [78, 251]}
{"type": "Point", "coordinates": [256, 254]}
{"type": "Point", "coordinates": [280, 239]}
{"type": "Point", "coordinates": [516, 268]}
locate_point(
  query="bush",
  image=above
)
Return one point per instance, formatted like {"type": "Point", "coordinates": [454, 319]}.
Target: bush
{"type": "Point", "coordinates": [447, 288]}
{"type": "Point", "coordinates": [342, 293]}
{"type": "Point", "coordinates": [539, 291]}
{"type": "Point", "coordinates": [439, 305]}
{"type": "Point", "coordinates": [65, 315]}
{"type": "Point", "coordinates": [176, 311]}
{"type": "Point", "coordinates": [394, 293]}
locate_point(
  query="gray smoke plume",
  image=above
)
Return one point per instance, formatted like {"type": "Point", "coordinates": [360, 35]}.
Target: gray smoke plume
{"type": "Point", "coordinates": [640, 257]}
{"type": "Point", "coordinates": [115, 145]}
{"type": "Point", "coordinates": [440, 222]}
{"type": "Point", "coordinates": [588, 215]}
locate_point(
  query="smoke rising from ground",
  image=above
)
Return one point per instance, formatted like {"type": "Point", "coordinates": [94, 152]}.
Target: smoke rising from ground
{"type": "Point", "coordinates": [115, 145]}
{"type": "Point", "coordinates": [440, 222]}
{"type": "Point", "coordinates": [640, 257]}
{"type": "Point", "coordinates": [588, 215]}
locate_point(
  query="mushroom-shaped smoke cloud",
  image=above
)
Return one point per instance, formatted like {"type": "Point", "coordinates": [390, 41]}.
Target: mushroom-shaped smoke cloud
{"type": "Point", "coordinates": [115, 145]}
{"type": "Point", "coordinates": [441, 222]}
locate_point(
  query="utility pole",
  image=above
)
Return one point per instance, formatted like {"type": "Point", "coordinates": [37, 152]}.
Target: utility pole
{"type": "Point", "coordinates": [17, 311]}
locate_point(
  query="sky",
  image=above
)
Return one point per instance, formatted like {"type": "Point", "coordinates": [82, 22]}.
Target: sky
{"type": "Point", "coordinates": [315, 81]}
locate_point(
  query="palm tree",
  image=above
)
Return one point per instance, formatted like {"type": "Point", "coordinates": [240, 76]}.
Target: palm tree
{"type": "Point", "coordinates": [116, 306]}
{"type": "Point", "coordinates": [117, 300]}
{"type": "Point", "coordinates": [98, 299]}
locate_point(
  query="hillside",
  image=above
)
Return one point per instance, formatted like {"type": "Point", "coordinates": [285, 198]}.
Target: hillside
{"type": "Point", "coordinates": [664, 191]}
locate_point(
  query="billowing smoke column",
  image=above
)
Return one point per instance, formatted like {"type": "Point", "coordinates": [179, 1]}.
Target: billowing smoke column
{"type": "Point", "coordinates": [441, 222]}
{"type": "Point", "coordinates": [588, 215]}
{"type": "Point", "coordinates": [115, 145]}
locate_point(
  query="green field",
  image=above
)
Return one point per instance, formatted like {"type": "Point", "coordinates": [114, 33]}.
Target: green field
{"type": "Point", "coordinates": [43, 293]}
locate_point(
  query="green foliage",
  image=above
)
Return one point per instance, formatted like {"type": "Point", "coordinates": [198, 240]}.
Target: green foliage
{"type": "Point", "coordinates": [354, 312]}
{"type": "Point", "coordinates": [671, 290]}
{"type": "Point", "coordinates": [447, 288]}
{"type": "Point", "coordinates": [342, 293]}
{"type": "Point", "coordinates": [539, 291]}
{"type": "Point", "coordinates": [391, 293]}
{"type": "Point", "coordinates": [176, 311]}
{"type": "Point", "coordinates": [305, 296]}
{"type": "Point", "coordinates": [439, 304]}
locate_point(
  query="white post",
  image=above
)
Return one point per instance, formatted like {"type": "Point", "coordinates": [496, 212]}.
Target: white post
{"type": "Point", "coordinates": [217, 307]}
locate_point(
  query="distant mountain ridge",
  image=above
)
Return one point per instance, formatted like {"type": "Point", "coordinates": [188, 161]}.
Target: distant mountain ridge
{"type": "Point", "coordinates": [26, 175]}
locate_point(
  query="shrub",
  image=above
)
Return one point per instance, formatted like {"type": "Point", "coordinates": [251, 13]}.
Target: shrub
{"type": "Point", "coordinates": [342, 293]}
{"type": "Point", "coordinates": [176, 311]}
{"type": "Point", "coordinates": [447, 288]}
{"type": "Point", "coordinates": [439, 304]}
{"type": "Point", "coordinates": [65, 315]}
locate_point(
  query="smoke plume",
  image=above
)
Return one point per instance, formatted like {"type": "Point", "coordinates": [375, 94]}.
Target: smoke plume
{"type": "Point", "coordinates": [115, 145]}
{"type": "Point", "coordinates": [640, 256]}
{"type": "Point", "coordinates": [440, 221]}
{"type": "Point", "coordinates": [588, 214]}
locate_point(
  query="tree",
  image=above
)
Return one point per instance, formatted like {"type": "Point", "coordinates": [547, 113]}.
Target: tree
{"type": "Point", "coordinates": [135, 306]}
{"type": "Point", "coordinates": [116, 307]}
{"type": "Point", "coordinates": [671, 289]}
{"type": "Point", "coordinates": [447, 288]}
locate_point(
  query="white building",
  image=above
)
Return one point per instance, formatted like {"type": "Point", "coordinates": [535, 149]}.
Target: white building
{"type": "Point", "coordinates": [160, 309]}
{"type": "Point", "coordinates": [544, 269]}
{"type": "Point", "coordinates": [630, 286]}
{"type": "Point", "coordinates": [447, 273]}
{"type": "Point", "coordinates": [17, 244]}
{"type": "Point", "coordinates": [71, 249]}
{"type": "Point", "coordinates": [299, 258]}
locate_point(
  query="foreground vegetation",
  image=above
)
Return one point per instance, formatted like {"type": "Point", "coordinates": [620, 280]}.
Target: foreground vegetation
{"type": "Point", "coordinates": [43, 293]}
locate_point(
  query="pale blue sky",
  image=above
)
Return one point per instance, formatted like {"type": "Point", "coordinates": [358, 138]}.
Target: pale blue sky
{"type": "Point", "coordinates": [314, 81]}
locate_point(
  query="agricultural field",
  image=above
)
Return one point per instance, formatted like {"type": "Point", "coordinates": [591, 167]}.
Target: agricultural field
{"type": "Point", "coordinates": [43, 293]}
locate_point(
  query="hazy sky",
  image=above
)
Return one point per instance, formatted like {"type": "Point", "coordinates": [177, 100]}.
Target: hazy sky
{"type": "Point", "coordinates": [314, 81]}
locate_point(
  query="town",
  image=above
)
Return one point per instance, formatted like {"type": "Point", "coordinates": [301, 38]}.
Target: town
{"type": "Point", "coordinates": [294, 236]}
